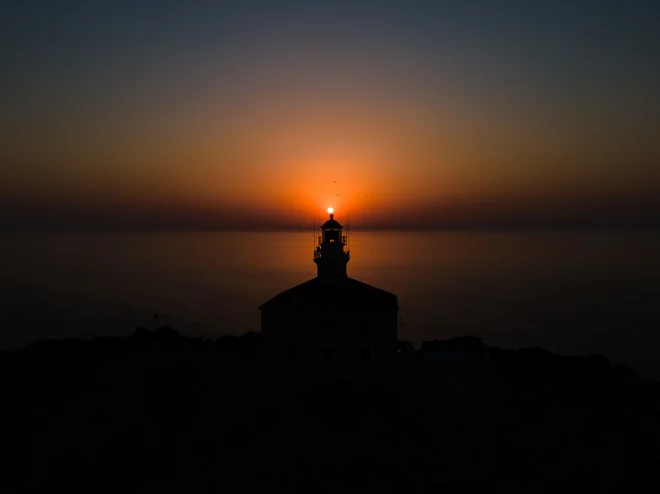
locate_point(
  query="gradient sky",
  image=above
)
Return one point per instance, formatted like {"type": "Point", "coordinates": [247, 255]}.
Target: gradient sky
{"type": "Point", "coordinates": [244, 114]}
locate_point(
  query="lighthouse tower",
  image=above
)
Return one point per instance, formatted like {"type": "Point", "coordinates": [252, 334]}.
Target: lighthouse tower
{"type": "Point", "coordinates": [331, 254]}
{"type": "Point", "coordinates": [331, 325]}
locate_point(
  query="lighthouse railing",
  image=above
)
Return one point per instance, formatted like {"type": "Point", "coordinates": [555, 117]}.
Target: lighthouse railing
{"type": "Point", "coordinates": [318, 253]}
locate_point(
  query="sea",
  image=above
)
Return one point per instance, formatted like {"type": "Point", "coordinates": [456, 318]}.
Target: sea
{"type": "Point", "coordinates": [573, 293]}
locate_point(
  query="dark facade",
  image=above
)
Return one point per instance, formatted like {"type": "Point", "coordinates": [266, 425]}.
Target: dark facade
{"type": "Point", "coordinates": [332, 323]}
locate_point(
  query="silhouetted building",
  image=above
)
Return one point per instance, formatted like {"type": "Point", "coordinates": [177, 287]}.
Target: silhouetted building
{"type": "Point", "coordinates": [332, 323]}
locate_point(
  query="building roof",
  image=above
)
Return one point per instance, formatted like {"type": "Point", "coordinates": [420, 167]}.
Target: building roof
{"type": "Point", "coordinates": [343, 294]}
{"type": "Point", "coordinates": [331, 223]}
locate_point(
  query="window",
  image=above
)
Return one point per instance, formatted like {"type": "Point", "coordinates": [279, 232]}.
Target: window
{"type": "Point", "coordinates": [328, 324]}
{"type": "Point", "coordinates": [366, 355]}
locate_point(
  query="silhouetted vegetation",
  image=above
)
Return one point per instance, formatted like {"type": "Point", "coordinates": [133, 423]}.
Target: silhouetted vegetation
{"type": "Point", "coordinates": [161, 411]}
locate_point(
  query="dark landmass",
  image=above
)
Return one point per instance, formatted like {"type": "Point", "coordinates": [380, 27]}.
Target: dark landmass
{"type": "Point", "coordinates": [160, 412]}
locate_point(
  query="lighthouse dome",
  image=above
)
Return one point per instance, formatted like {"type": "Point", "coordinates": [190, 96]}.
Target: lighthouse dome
{"type": "Point", "coordinates": [331, 223]}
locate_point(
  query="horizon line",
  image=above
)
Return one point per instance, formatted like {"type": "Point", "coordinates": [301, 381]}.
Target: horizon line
{"type": "Point", "coordinates": [401, 229]}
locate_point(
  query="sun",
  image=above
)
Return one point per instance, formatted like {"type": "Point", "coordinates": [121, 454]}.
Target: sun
{"type": "Point", "coordinates": [330, 210]}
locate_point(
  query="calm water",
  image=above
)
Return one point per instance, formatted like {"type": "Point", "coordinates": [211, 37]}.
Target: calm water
{"type": "Point", "coordinates": [572, 293]}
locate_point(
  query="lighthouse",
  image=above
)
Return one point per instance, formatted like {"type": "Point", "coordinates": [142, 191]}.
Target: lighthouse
{"type": "Point", "coordinates": [331, 325]}
{"type": "Point", "coordinates": [331, 254]}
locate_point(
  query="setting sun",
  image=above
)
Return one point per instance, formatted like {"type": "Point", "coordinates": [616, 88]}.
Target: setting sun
{"type": "Point", "coordinates": [330, 210]}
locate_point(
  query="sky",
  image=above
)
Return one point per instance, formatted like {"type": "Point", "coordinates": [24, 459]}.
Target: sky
{"type": "Point", "coordinates": [260, 115]}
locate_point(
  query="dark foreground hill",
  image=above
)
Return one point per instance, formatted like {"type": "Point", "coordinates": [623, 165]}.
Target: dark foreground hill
{"type": "Point", "coordinates": [158, 412]}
